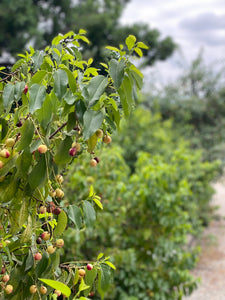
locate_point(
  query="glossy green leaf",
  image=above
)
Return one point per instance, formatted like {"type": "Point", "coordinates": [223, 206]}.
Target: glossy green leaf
{"type": "Point", "coordinates": [62, 155]}
{"type": "Point", "coordinates": [37, 96]}
{"type": "Point", "coordinates": [64, 289]}
{"type": "Point", "coordinates": [94, 89]}
{"type": "Point", "coordinates": [44, 114]}
{"type": "Point", "coordinates": [29, 261]}
{"type": "Point", "coordinates": [130, 41]}
{"type": "Point", "coordinates": [19, 87]}
{"type": "Point", "coordinates": [43, 264]}
{"type": "Point", "coordinates": [23, 163]}
{"type": "Point", "coordinates": [116, 71]}
{"type": "Point", "coordinates": [74, 214]}
{"type": "Point", "coordinates": [125, 92]}
{"type": "Point", "coordinates": [23, 213]}
{"type": "Point", "coordinates": [4, 128]}
{"type": "Point", "coordinates": [71, 78]}
{"type": "Point", "coordinates": [38, 173]}
{"type": "Point", "coordinates": [104, 275]}
{"type": "Point", "coordinates": [89, 213]}
{"type": "Point", "coordinates": [89, 279]}
{"type": "Point", "coordinates": [8, 166]}
{"type": "Point", "coordinates": [8, 95]}
{"type": "Point", "coordinates": [61, 223]}
{"type": "Point", "coordinates": [38, 77]}
{"type": "Point", "coordinates": [27, 132]}
{"type": "Point", "coordinates": [60, 83]}
{"type": "Point", "coordinates": [92, 121]}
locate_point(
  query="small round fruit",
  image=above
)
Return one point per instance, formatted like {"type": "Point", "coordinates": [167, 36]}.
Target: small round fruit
{"type": "Point", "coordinates": [43, 290]}
{"type": "Point", "coordinates": [57, 211]}
{"type": "Point", "coordinates": [107, 139]}
{"type": "Point", "coordinates": [38, 256]}
{"type": "Point", "coordinates": [42, 210]}
{"type": "Point", "coordinates": [25, 89]}
{"type": "Point", "coordinates": [10, 142]}
{"type": "Point", "coordinates": [59, 243]}
{"type": "Point", "coordinates": [19, 124]}
{"type": "Point", "coordinates": [5, 278]}
{"type": "Point", "coordinates": [97, 159]}
{"type": "Point", "coordinates": [93, 162]}
{"type": "Point", "coordinates": [59, 193]}
{"type": "Point", "coordinates": [33, 289]}
{"type": "Point", "coordinates": [99, 133]}
{"type": "Point", "coordinates": [77, 146]}
{"type": "Point", "coordinates": [39, 240]}
{"type": "Point", "coordinates": [51, 249]}
{"type": "Point", "coordinates": [52, 193]}
{"type": "Point", "coordinates": [82, 272]}
{"type": "Point", "coordinates": [73, 151]}
{"type": "Point", "coordinates": [8, 289]}
{"type": "Point", "coordinates": [51, 207]}
{"type": "Point", "coordinates": [45, 236]}
{"type": "Point", "coordinates": [42, 149]}
{"type": "Point", "coordinates": [57, 292]}
{"type": "Point", "coordinates": [7, 242]}
{"type": "Point", "coordinates": [89, 267]}
{"type": "Point", "coordinates": [1, 164]}
{"type": "Point", "coordinates": [59, 178]}
{"type": "Point", "coordinates": [3, 270]}
{"type": "Point", "coordinates": [4, 153]}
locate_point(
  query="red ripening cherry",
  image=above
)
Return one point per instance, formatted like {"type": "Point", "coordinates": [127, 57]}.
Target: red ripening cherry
{"type": "Point", "coordinates": [3, 270]}
{"type": "Point", "coordinates": [25, 89]}
{"type": "Point", "coordinates": [38, 256]}
{"type": "Point", "coordinates": [57, 211]}
{"type": "Point", "coordinates": [97, 159]}
{"type": "Point", "coordinates": [73, 151]}
{"type": "Point", "coordinates": [89, 267]}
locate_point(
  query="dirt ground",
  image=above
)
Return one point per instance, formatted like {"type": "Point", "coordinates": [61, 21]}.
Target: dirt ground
{"type": "Point", "coordinates": [211, 266]}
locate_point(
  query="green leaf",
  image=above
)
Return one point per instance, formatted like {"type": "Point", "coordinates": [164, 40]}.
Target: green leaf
{"type": "Point", "coordinates": [37, 96]}
{"type": "Point", "coordinates": [64, 289]}
{"type": "Point", "coordinates": [38, 59]}
{"type": "Point", "coordinates": [42, 264]}
{"type": "Point", "coordinates": [29, 261]}
{"type": "Point", "coordinates": [90, 277]}
{"type": "Point", "coordinates": [100, 256]}
{"type": "Point", "coordinates": [60, 83]}
{"type": "Point", "coordinates": [142, 45]}
{"type": "Point", "coordinates": [8, 166]}
{"type": "Point", "coordinates": [38, 173]}
{"type": "Point", "coordinates": [89, 213]}
{"type": "Point", "coordinates": [38, 77]}
{"type": "Point", "coordinates": [95, 88]}
{"type": "Point", "coordinates": [92, 121]}
{"type": "Point", "coordinates": [8, 95]}
{"type": "Point", "coordinates": [74, 214]}
{"type": "Point", "coordinates": [62, 155]}
{"type": "Point", "coordinates": [4, 128]}
{"type": "Point", "coordinates": [82, 286]}
{"type": "Point", "coordinates": [44, 114]}
{"type": "Point", "coordinates": [104, 275]}
{"type": "Point", "coordinates": [23, 163]}
{"type": "Point", "coordinates": [27, 132]}
{"type": "Point", "coordinates": [92, 141]}
{"type": "Point", "coordinates": [130, 41]}
{"type": "Point", "coordinates": [27, 234]}
{"type": "Point", "coordinates": [71, 78]}
{"type": "Point", "coordinates": [125, 92]}
{"type": "Point", "coordinates": [112, 48]}
{"type": "Point", "coordinates": [61, 223]}
{"type": "Point", "coordinates": [138, 51]}
{"type": "Point", "coordinates": [110, 265]}
{"type": "Point", "coordinates": [116, 71]}
{"type": "Point", "coordinates": [23, 214]}
{"type": "Point", "coordinates": [19, 87]}
{"type": "Point", "coordinates": [98, 203]}
{"type": "Point", "coordinates": [71, 123]}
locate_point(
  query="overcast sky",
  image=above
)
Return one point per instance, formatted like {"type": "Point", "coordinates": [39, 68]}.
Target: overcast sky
{"type": "Point", "coordinates": [193, 24]}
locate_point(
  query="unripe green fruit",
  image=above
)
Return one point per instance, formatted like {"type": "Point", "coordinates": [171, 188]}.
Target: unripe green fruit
{"type": "Point", "coordinates": [93, 162]}
{"type": "Point", "coordinates": [45, 236]}
{"type": "Point", "coordinates": [59, 243]}
{"type": "Point", "coordinates": [33, 289]}
{"type": "Point", "coordinates": [8, 289]}
{"type": "Point", "coordinates": [52, 193]}
{"type": "Point", "coordinates": [59, 179]}
{"type": "Point", "coordinates": [59, 193]}
{"type": "Point", "coordinates": [9, 142]}
{"type": "Point", "coordinates": [99, 133]}
{"type": "Point", "coordinates": [43, 290]}
{"type": "Point", "coordinates": [1, 164]}
{"type": "Point", "coordinates": [51, 249]}
{"type": "Point", "coordinates": [42, 149]}
{"type": "Point", "coordinates": [107, 139]}
{"type": "Point", "coordinates": [4, 153]}
{"type": "Point", "coordinates": [38, 256]}
{"type": "Point", "coordinates": [5, 278]}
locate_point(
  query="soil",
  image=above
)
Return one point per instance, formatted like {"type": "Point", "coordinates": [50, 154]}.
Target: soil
{"type": "Point", "coordinates": [211, 265]}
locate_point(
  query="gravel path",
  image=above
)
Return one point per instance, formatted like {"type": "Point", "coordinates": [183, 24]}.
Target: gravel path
{"type": "Point", "coordinates": [211, 266]}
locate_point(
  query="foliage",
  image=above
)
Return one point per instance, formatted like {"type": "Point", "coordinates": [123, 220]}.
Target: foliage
{"type": "Point", "coordinates": [52, 105]}
{"type": "Point", "coordinates": [39, 21]}
{"type": "Point", "coordinates": [149, 214]}
{"type": "Point", "coordinates": [196, 105]}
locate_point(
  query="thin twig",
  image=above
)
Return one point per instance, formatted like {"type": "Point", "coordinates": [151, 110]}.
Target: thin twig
{"type": "Point", "coordinates": [60, 128]}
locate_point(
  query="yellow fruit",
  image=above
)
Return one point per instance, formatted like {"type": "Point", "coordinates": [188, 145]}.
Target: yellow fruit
{"type": "Point", "coordinates": [42, 149]}
{"type": "Point", "coordinates": [59, 179]}
{"type": "Point", "coordinates": [9, 142]}
{"type": "Point", "coordinates": [1, 164]}
{"type": "Point", "coordinates": [82, 272]}
{"type": "Point", "coordinates": [51, 249]}
{"type": "Point", "coordinates": [59, 243]}
{"type": "Point", "coordinates": [8, 289]}
{"type": "Point", "coordinates": [57, 292]}
{"type": "Point", "coordinates": [107, 139]}
{"type": "Point", "coordinates": [59, 193]}
{"type": "Point", "coordinates": [93, 162]}
{"type": "Point", "coordinates": [43, 290]}
{"type": "Point", "coordinates": [99, 133]}
{"type": "Point", "coordinates": [33, 289]}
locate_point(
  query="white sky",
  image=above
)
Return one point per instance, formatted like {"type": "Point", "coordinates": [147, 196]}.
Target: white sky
{"type": "Point", "coordinates": [193, 24]}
